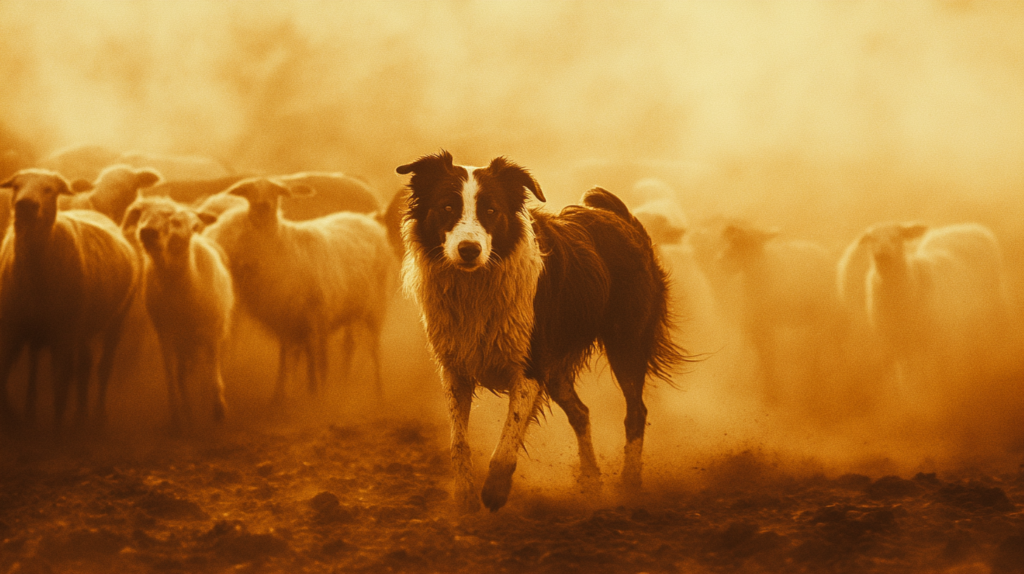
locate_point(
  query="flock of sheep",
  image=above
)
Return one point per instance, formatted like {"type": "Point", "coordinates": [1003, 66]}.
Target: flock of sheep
{"type": "Point", "coordinates": [98, 242]}
{"type": "Point", "coordinates": [914, 306]}
{"type": "Point", "coordinates": [193, 241]}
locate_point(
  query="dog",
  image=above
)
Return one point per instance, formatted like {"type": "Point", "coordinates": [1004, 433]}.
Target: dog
{"type": "Point", "coordinates": [516, 300]}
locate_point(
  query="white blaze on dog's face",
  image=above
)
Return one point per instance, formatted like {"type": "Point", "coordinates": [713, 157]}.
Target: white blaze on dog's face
{"type": "Point", "coordinates": [467, 216]}
{"type": "Point", "coordinates": [468, 244]}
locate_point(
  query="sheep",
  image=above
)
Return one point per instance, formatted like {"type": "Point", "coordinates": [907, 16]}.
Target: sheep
{"type": "Point", "coordinates": [115, 188]}
{"type": "Point", "coordinates": [392, 218]}
{"type": "Point", "coordinates": [304, 280]}
{"type": "Point", "coordinates": [335, 192]}
{"type": "Point", "coordinates": [66, 278]}
{"type": "Point", "coordinates": [82, 161]}
{"type": "Point", "coordinates": [189, 297]}
{"type": "Point", "coordinates": [940, 306]}
{"type": "Point", "coordinates": [192, 191]}
{"type": "Point", "coordinates": [176, 167]}
{"type": "Point", "coordinates": [785, 302]}
{"type": "Point", "coordinates": [660, 213]}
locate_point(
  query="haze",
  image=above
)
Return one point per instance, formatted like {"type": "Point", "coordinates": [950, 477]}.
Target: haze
{"type": "Point", "coordinates": [817, 118]}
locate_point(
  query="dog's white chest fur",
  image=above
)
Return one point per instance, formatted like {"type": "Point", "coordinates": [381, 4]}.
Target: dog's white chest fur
{"type": "Point", "coordinates": [480, 323]}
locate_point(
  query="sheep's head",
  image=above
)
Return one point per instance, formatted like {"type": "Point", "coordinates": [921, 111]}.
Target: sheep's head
{"type": "Point", "coordinates": [886, 241]}
{"type": "Point", "coordinates": [743, 244]}
{"type": "Point", "coordinates": [117, 186]}
{"type": "Point", "coordinates": [264, 197]}
{"type": "Point", "coordinates": [663, 219]}
{"type": "Point", "coordinates": [34, 194]}
{"type": "Point", "coordinates": [164, 229]}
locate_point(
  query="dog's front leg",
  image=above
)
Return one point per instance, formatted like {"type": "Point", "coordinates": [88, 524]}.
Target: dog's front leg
{"type": "Point", "coordinates": [459, 392]}
{"type": "Point", "coordinates": [522, 403]}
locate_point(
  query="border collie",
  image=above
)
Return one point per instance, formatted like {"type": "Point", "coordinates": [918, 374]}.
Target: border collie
{"type": "Point", "coordinates": [515, 300]}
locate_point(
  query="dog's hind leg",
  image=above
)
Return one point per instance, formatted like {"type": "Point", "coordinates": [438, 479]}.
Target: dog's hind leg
{"type": "Point", "coordinates": [523, 402]}
{"type": "Point", "coordinates": [459, 393]}
{"type": "Point", "coordinates": [562, 392]}
{"type": "Point", "coordinates": [630, 371]}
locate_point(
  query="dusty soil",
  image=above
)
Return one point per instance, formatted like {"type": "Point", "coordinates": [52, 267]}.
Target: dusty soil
{"type": "Point", "coordinates": [374, 496]}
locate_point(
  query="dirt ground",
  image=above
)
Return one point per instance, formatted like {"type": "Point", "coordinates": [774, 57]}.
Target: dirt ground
{"type": "Point", "coordinates": [374, 496]}
{"type": "Point", "coordinates": [358, 483]}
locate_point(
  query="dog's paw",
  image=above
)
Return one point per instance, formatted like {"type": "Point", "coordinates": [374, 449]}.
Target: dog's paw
{"type": "Point", "coordinates": [497, 487]}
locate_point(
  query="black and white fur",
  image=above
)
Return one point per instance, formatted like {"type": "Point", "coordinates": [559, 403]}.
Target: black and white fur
{"type": "Point", "coordinates": [515, 300]}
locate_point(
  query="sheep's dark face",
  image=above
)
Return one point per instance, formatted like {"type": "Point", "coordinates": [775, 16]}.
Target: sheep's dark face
{"type": "Point", "coordinates": [163, 229]}
{"type": "Point", "coordinates": [467, 215]}
{"type": "Point", "coordinates": [34, 195]}
{"type": "Point", "coordinates": [887, 242]}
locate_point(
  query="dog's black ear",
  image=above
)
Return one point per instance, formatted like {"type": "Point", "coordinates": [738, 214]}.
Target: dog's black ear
{"type": "Point", "coordinates": [515, 176]}
{"type": "Point", "coordinates": [428, 164]}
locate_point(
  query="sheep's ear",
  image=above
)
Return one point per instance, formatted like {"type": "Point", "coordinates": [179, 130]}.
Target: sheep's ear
{"type": "Point", "coordinates": [427, 164]}
{"type": "Point", "coordinates": [205, 218]}
{"type": "Point", "coordinates": [9, 182]}
{"type": "Point", "coordinates": [147, 178]}
{"type": "Point", "coordinates": [514, 176]}
{"type": "Point", "coordinates": [912, 230]}
{"type": "Point", "coordinates": [80, 185]}
{"type": "Point", "coordinates": [131, 218]}
{"type": "Point", "coordinates": [243, 188]}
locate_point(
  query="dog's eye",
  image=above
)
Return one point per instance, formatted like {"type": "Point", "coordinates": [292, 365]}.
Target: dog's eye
{"type": "Point", "coordinates": [490, 211]}
{"type": "Point", "coordinates": [448, 208]}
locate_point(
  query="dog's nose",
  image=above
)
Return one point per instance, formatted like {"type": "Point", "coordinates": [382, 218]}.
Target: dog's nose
{"type": "Point", "coordinates": [469, 251]}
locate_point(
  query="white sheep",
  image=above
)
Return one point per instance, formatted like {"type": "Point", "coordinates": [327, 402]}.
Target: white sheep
{"type": "Point", "coordinates": [81, 161]}
{"type": "Point", "coordinates": [305, 280]}
{"type": "Point", "coordinates": [659, 211]}
{"type": "Point", "coordinates": [176, 167]}
{"type": "Point", "coordinates": [784, 298]}
{"type": "Point", "coordinates": [335, 192]}
{"type": "Point", "coordinates": [116, 187]}
{"type": "Point", "coordinates": [66, 278]}
{"type": "Point", "coordinates": [940, 305]}
{"type": "Point", "coordinates": [189, 297]}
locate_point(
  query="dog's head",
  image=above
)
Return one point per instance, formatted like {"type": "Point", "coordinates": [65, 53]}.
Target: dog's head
{"type": "Point", "coordinates": [468, 216]}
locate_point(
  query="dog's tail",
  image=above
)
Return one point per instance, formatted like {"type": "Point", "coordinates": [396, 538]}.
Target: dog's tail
{"type": "Point", "coordinates": [601, 198]}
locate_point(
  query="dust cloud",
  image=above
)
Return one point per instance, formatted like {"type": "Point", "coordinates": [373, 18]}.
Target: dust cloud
{"type": "Point", "coordinates": [815, 119]}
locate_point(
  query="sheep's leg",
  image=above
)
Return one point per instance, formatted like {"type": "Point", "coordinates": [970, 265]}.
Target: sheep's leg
{"type": "Point", "coordinates": [321, 362]}
{"type": "Point", "coordinates": [8, 355]}
{"type": "Point", "coordinates": [348, 348]}
{"type": "Point", "coordinates": [314, 350]}
{"type": "Point", "coordinates": [459, 394]}
{"type": "Point", "coordinates": [170, 377]}
{"type": "Point", "coordinates": [563, 393]}
{"type": "Point", "coordinates": [104, 370]}
{"type": "Point", "coordinates": [32, 387]}
{"type": "Point", "coordinates": [374, 333]}
{"type": "Point", "coordinates": [186, 362]}
{"type": "Point", "coordinates": [284, 366]}
{"type": "Point", "coordinates": [62, 357]}
{"type": "Point", "coordinates": [83, 371]}
{"type": "Point", "coordinates": [523, 403]}
{"type": "Point", "coordinates": [217, 380]}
